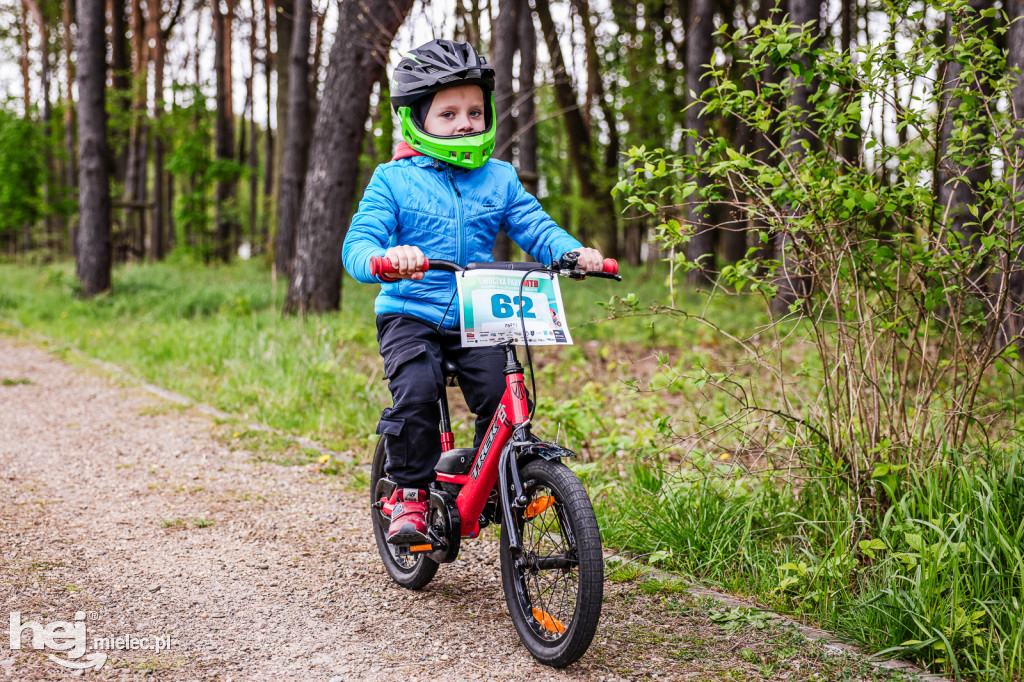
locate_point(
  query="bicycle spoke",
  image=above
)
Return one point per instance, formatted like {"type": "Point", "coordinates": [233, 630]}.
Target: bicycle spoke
{"type": "Point", "coordinates": [549, 585]}
{"type": "Point", "coordinates": [551, 590]}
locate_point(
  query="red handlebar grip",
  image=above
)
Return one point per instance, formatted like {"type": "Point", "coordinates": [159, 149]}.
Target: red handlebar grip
{"type": "Point", "coordinates": [611, 266]}
{"type": "Point", "coordinates": [381, 267]}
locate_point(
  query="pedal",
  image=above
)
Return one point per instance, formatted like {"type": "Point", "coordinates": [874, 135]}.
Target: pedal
{"type": "Point", "coordinates": [406, 550]}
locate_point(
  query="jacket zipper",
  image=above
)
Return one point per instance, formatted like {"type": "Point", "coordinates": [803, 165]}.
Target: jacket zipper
{"type": "Point", "coordinates": [460, 228]}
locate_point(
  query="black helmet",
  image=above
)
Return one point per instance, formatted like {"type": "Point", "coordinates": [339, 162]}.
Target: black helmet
{"type": "Point", "coordinates": [424, 71]}
{"type": "Point", "coordinates": [434, 66]}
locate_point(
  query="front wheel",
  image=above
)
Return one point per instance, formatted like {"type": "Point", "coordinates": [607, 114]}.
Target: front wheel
{"type": "Point", "coordinates": [412, 571]}
{"type": "Point", "coordinates": [554, 587]}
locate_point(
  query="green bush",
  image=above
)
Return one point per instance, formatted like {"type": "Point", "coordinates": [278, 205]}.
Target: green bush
{"type": "Point", "coordinates": [904, 303]}
{"type": "Point", "coordinates": [21, 172]}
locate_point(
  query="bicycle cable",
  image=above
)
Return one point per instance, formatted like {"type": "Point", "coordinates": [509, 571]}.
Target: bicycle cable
{"type": "Point", "coordinates": [526, 342]}
{"type": "Point", "coordinates": [449, 307]}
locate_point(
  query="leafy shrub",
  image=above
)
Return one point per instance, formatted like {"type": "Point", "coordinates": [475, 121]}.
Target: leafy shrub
{"type": "Point", "coordinates": [904, 320]}
{"type": "Point", "coordinates": [21, 172]}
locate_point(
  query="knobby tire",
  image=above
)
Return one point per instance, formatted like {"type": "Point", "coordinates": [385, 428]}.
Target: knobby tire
{"type": "Point", "coordinates": [555, 609]}
{"type": "Point", "coordinates": [412, 571]}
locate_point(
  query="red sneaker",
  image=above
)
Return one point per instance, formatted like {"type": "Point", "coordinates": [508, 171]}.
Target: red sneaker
{"type": "Point", "coordinates": [409, 518]}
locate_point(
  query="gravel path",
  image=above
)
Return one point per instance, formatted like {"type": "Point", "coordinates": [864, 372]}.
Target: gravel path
{"type": "Point", "coordinates": [124, 511]}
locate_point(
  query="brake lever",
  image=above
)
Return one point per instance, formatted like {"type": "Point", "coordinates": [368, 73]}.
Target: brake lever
{"type": "Point", "coordinates": [602, 275]}
{"type": "Point", "coordinates": [583, 274]}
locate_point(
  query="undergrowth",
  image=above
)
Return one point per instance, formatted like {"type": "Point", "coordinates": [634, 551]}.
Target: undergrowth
{"type": "Point", "coordinates": [924, 563]}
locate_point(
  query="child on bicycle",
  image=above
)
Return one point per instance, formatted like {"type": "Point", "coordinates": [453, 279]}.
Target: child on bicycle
{"type": "Point", "coordinates": [440, 197]}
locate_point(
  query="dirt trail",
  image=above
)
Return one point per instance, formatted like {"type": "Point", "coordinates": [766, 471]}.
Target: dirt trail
{"type": "Point", "coordinates": [121, 510]}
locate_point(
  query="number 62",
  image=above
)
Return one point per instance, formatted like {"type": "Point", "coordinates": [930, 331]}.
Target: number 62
{"type": "Point", "coordinates": [503, 306]}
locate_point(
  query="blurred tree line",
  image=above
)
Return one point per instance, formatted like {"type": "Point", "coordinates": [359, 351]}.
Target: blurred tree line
{"type": "Point", "coordinates": [580, 83]}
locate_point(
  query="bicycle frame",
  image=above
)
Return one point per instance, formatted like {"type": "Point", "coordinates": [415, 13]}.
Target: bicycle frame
{"type": "Point", "coordinates": [511, 417]}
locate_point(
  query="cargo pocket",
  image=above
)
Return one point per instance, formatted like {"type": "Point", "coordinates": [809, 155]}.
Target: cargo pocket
{"type": "Point", "coordinates": [413, 376]}
{"type": "Point", "coordinates": [392, 430]}
{"type": "Point", "coordinates": [395, 360]}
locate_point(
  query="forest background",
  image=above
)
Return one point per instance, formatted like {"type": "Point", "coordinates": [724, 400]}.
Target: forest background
{"type": "Point", "coordinates": [808, 389]}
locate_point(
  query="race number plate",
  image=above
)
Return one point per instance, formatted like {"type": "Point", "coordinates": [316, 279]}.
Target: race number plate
{"type": "Point", "coordinates": [493, 311]}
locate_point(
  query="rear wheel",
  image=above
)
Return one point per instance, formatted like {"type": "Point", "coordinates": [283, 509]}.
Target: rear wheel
{"type": "Point", "coordinates": [412, 571]}
{"type": "Point", "coordinates": [555, 586]}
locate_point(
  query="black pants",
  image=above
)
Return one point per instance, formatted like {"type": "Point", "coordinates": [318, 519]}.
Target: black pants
{"type": "Point", "coordinates": [412, 350]}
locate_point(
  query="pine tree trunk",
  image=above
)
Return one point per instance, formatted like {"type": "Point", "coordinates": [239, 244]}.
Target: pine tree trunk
{"type": "Point", "coordinates": [635, 225]}
{"type": "Point", "coordinates": [157, 237]}
{"type": "Point", "coordinates": [121, 91]}
{"type": "Point", "coordinates": [1011, 271]}
{"type": "Point", "coordinates": [254, 163]}
{"type": "Point", "coordinates": [734, 228]}
{"type": "Point", "coordinates": [850, 146]}
{"type": "Point", "coordinates": [94, 248]}
{"type": "Point", "coordinates": [473, 28]}
{"type": "Point", "coordinates": [70, 153]}
{"type": "Point", "coordinates": [357, 58]}
{"type": "Point", "coordinates": [503, 49]}
{"type": "Point", "coordinates": [26, 83]}
{"type": "Point", "coordinates": [53, 226]}
{"type": "Point", "coordinates": [596, 99]}
{"type": "Point", "coordinates": [243, 146]}
{"type": "Point", "coordinates": [162, 228]}
{"type": "Point", "coordinates": [527, 100]}
{"type": "Point", "coordinates": [961, 175]}
{"type": "Point", "coordinates": [224, 142]}
{"type": "Point", "coordinates": [699, 45]}
{"type": "Point", "coordinates": [284, 19]}
{"type": "Point", "coordinates": [765, 143]}
{"type": "Point", "coordinates": [600, 209]}
{"type": "Point", "coordinates": [135, 170]}
{"type": "Point", "coordinates": [268, 150]}
{"type": "Point", "coordinates": [313, 101]}
{"type": "Point", "coordinates": [296, 140]}
{"type": "Point", "coordinates": [791, 282]}
{"type": "Point", "coordinates": [468, 23]}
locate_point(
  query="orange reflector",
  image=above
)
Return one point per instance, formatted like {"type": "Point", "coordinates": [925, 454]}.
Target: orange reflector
{"type": "Point", "coordinates": [547, 621]}
{"type": "Point", "coordinates": [421, 548]}
{"type": "Point", "coordinates": [538, 506]}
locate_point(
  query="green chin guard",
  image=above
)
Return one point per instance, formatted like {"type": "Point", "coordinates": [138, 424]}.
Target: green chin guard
{"type": "Point", "coordinates": [467, 151]}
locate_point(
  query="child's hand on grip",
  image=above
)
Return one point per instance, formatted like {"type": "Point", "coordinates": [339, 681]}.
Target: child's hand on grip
{"type": "Point", "coordinates": [408, 260]}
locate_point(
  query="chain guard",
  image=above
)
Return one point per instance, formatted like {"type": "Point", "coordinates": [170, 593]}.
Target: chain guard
{"type": "Point", "coordinates": [445, 527]}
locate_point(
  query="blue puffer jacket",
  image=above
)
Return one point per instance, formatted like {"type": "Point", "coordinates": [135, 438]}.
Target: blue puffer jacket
{"type": "Point", "coordinates": [449, 213]}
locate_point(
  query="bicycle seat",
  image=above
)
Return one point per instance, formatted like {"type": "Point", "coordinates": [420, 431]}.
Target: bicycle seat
{"type": "Point", "coordinates": [448, 369]}
{"type": "Point", "coordinates": [456, 462]}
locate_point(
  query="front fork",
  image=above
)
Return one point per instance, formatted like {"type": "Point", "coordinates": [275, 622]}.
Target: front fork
{"type": "Point", "coordinates": [513, 496]}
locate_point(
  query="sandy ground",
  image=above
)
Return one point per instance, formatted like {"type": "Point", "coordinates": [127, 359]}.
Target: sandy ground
{"type": "Point", "coordinates": [134, 517]}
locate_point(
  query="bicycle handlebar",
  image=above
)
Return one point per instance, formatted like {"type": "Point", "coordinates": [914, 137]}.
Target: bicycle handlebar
{"type": "Point", "coordinates": [381, 267]}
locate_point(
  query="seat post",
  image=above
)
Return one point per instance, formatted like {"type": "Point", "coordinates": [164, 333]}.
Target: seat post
{"type": "Point", "coordinates": [449, 372]}
{"type": "Point", "coordinates": [447, 437]}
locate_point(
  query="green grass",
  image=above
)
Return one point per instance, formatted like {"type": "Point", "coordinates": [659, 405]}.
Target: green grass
{"type": "Point", "coordinates": [936, 577]}
{"type": "Point", "coordinates": [935, 574]}
{"type": "Point", "coordinates": [217, 336]}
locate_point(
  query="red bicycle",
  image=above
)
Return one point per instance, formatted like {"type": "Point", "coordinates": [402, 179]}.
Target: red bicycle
{"type": "Point", "coordinates": [552, 564]}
